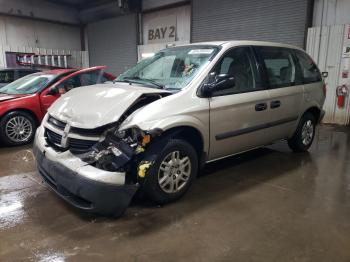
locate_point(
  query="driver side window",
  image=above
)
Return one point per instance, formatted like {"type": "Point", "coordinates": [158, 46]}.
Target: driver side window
{"type": "Point", "coordinates": [238, 63]}
{"type": "Point", "coordinates": [69, 84]}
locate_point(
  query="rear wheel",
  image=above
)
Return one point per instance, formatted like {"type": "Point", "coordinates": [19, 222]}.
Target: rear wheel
{"type": "Point", "coordinates": [174, 168]}
{"type": "Point", "coordinates": [304, 135]}
{"type": "Point", "coordinates": [17, 128]}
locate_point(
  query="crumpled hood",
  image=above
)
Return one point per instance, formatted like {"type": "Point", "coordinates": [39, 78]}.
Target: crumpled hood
{"type": "Point", "coordinates": [5, 97]}
{"type": "Point", "coordinates": [95, 106]}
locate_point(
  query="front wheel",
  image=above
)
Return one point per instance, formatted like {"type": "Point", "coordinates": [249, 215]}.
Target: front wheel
{"type": "Point", "coordinates": [172, 173]}
{"type": "Point", "coordinates": [17, 128]}
{"type": "Point", "coordinates": [304, 135]}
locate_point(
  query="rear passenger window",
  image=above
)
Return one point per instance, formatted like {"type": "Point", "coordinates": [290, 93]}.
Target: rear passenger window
{"type": "Point", "coordinates": [279, 66]}
{"type": "Point", "coordinates": [308, 70]}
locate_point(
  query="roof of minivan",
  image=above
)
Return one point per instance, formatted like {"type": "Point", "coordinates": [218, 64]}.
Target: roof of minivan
{"type": "Point", "coordinates": [246, 42]}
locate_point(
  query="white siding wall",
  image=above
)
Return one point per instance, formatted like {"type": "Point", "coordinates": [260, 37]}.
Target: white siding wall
{"type": "Point", "coordinates": [331, 12]}
{"type": "Point", "coordinates": [183, 22]}
{"type": "Point", "coordinates": [20, 32]}
{"type": "Point", "coordinates": [35, 36]}
{"type": "Point", "coordinates": [39, 9]}
{"type": "Point", "coordinates": [327, 45]}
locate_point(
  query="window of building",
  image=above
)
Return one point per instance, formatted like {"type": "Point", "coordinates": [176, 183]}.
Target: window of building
{"type": "Point", "coordinates": [7, 76]}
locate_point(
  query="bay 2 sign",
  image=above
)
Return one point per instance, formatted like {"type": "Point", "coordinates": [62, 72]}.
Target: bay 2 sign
{"type": "Point", "coordinates": [162, 34]}
{"type": "Point", "coordinates": [161, 29]}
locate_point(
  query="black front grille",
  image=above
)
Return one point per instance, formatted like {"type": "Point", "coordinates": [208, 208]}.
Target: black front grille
{"type": "Point", "coordinates": [88, 132]}
{"type": "Point", "coordinates": [53, 138]}
{"type": "Point", "coordinates": [79, 145]}
{"type": "Point", "coordinates": [74, 144]}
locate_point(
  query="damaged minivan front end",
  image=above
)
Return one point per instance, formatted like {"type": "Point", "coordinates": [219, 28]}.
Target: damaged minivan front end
{"type": "Point", "coordinates": [95, 169]}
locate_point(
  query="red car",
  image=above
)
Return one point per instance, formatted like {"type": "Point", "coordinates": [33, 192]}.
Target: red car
{"type": "Point", "coordinates": [24, 102]}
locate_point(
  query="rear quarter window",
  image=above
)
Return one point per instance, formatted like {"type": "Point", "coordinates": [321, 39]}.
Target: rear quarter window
{"type": "Point", "coordinates": [308, 69]}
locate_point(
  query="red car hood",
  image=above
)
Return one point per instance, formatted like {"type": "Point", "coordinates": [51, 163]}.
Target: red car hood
{"type": "Point", "coordinates": [5, 97]}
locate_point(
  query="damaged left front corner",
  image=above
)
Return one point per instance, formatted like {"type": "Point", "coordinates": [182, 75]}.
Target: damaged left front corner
{"type": "Point", "coordinates": [118, 150]}
{"type": "Point", "coordinates": [143, 168]}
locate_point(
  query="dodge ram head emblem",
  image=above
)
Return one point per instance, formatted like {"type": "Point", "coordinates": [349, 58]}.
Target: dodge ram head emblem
{"type": "Point", "coordinates": [64, 140]}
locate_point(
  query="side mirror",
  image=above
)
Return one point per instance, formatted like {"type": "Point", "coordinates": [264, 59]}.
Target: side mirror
{"type": "Point", "coordinates": [216, 83]}
{"type": "Point", "coordinates": [224, 81]}
{"type": "Point", "coordinates": [324, 74]}
{"type": "Point", "coordinates": [53, 91]}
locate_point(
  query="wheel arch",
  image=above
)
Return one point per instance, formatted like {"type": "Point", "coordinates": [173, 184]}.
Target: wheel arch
{"type": "Point", "coordinates": [30, 112]}
{"type": "Point", "coordinates": [191, 135]}
{"type": "Point", "coordinates": [315, 111]}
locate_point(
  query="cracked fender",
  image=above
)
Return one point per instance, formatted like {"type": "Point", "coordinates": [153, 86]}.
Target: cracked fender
{"type": "Point", "coordinates": [172, 122]}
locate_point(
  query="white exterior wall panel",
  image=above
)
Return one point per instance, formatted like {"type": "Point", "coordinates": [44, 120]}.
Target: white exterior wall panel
{"type": "Point", "coordinates": [331, 12]}
{"type": "Point", "coordinates": [16, 31]}
{"type": "Point", "coordinates": [182, 16]}
{"type": "Point", "coordinates": [326, 45]}
{"type": "Point", "coordinates": [39, 9]}
{"type": "Point", "coordinates": [39, 37]}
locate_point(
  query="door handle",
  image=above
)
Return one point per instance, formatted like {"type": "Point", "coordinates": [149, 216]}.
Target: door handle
{"type": "Point", "coordinates": [260, 107]}
{"type": "Point", "coordinates": [275, 104]}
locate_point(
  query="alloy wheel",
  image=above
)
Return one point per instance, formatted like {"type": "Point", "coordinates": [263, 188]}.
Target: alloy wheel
{"type": "Point", "coordinates": [307, 132]}
{"type": "Point", "coordinates": [18, 129]}
{"type": "Point", "coordinates": [174, 172]}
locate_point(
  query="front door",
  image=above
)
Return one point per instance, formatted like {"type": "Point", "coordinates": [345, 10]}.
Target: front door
{"type": "Point", "coordinates": [239, 114]}
{"type": "Point", "coordinates": [47, 99]}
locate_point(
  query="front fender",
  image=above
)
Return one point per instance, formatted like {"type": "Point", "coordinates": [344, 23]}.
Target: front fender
{"type": "Point", "coordinates": [173, 122]}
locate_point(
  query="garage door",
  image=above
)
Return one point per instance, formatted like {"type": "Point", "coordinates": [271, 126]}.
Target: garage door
{"type": "Point", "coordinates": [113, 42]}
{"type": "Point", "coordinates": [267, 20]}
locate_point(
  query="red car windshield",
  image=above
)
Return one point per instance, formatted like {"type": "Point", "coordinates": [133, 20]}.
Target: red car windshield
{"type": "Point", "coordinates": [29, 84]}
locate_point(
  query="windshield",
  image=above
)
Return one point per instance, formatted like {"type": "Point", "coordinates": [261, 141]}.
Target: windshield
{"type": "Point", "coordinates": [29, 84]}
{"type": "Point", "coordinates": [171, 68]}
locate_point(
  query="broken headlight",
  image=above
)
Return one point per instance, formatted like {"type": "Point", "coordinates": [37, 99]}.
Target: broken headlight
{"type": "Point", "coordinates": [117, 148]}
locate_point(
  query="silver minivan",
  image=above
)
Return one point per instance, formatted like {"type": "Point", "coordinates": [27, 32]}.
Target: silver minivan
{"type": "Point", "coordinates": [153, 128]}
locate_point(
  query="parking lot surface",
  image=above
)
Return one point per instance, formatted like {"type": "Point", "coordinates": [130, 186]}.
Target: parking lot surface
{"type": "Point", "coordinates": [265, 205]}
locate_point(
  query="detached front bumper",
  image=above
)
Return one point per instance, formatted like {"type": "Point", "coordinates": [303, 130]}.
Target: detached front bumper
{"type": "Point", "coordinates": [82, 185]}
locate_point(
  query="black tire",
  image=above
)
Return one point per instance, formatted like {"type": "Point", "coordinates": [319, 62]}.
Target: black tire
{"type": "Point", "coordinates": [6, 139]}
{"type": "Point", "coordinates": [298, 143]}
{"type": "Point", "coordinates": [159, 152]}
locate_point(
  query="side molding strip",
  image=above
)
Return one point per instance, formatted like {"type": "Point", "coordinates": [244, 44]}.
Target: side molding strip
{"type": "Point", "coordinates": [254, 128]}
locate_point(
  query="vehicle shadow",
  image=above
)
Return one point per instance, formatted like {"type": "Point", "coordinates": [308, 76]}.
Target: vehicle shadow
{"type": "Point", "coordinates": [218, 181]}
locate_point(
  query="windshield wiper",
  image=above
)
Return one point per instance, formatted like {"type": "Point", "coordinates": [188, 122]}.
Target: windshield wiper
{"type": "Point", "coordinates": [139, 80]}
